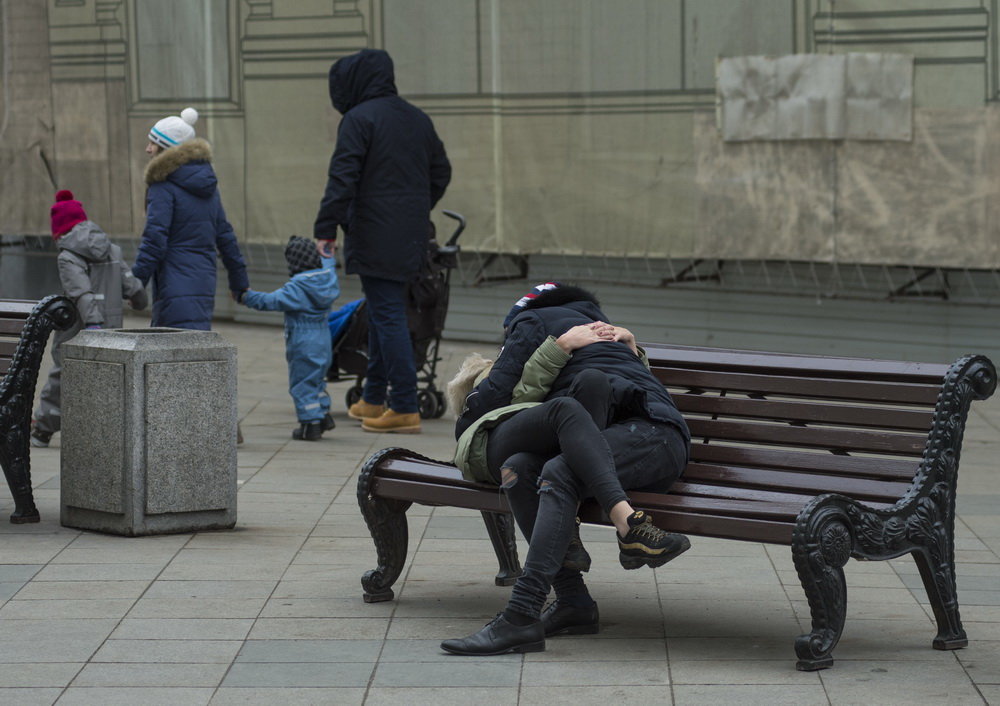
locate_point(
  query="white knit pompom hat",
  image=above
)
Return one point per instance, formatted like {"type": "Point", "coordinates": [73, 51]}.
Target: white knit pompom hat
{"type": "Point", "coordinates": [174, 130]}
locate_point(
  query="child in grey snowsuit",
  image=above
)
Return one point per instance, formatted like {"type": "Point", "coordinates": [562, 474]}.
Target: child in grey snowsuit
{"type": "Point", "coordinates": [306, 299]}
{"type": "Point", "coordinates": [97, 279]}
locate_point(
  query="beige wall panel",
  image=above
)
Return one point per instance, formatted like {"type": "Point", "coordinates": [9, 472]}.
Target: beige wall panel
{"type": "Point", "coordinates": [763, 200]}
{"type": "Point", "coordinates": [600, 184]}
{"type": "Point", "coordinates": [120, 145]}
{"type": "Point", "coordinates": [290, 130]}
{"type": "Point", "coordinates": [469, 141]}
{"type": "Point", "coordinates": [81, 142]}
{"type": "Point", "coordinates": [923, 203]}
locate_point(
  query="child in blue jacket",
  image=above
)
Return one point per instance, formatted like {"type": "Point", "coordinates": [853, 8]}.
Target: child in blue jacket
{"type": "Point", "coordinates": [306, 299]}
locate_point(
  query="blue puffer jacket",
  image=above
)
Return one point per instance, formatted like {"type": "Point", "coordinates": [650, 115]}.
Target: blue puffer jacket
{"type": "Point", "coordinates": [185, 226]}
{"type": "Point", "coordinates": [306, 299]}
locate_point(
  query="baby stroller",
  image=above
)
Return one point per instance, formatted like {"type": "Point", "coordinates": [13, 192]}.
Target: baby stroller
{"type": "Point", "coordinates": [426, 310]}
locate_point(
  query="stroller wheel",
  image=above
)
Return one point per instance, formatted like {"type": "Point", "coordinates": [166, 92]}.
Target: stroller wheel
{"type": "Point", "coordinates": [427, 405]}
{"type": "Point", "coordinates": [441, 404]}
{"type": "Point", "coordinates": [353, 395]}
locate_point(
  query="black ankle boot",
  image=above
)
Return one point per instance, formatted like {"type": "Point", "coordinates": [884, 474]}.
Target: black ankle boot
{"type": "Point", "coordinates": [327, 422]}
{"type": "Point", "coordinates": [499, 637]}
{"type": "Point", "coordinates": [25, 511]}
{"type": "Point", "coordinates": [562, 619]}
{"type": "Point", "coordinates": [308, 431]}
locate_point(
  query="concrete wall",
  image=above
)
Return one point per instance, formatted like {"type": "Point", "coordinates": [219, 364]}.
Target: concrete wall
{"type": "Point", "coordinates": [576, 127]}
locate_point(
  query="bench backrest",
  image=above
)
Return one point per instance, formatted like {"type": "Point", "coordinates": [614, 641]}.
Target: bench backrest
{"type": "Point", "coordinates": [800, 425]}
{"type": "Point", "coordinates": [13, 315]}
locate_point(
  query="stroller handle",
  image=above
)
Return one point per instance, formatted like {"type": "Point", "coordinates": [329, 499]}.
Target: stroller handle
{"type": "Point", "coordinates": [458, 231]}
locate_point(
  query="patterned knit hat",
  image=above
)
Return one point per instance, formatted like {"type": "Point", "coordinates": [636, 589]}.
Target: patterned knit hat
{"type": "Point", "coordinates": [66, 212]}
{"type": "Point", "coordinates": [174, 130]}
{"type": "Point", "coordinates": [301, 255]}
{"type": "Point", "coordinates": [523, 301]}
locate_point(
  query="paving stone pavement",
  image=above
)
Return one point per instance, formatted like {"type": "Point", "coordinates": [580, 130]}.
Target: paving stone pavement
{"type": "Point", "coordinates": [271, 612]}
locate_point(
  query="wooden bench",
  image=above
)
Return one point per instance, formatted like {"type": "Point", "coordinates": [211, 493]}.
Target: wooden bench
{"type": "Point", "coordinates": [24, 330]}
{"type": "Point", "coordinates": [834, 457]}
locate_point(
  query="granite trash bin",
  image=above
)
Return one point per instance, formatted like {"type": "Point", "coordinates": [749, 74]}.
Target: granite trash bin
{"type": "Point", "coordinates": [148, 431]}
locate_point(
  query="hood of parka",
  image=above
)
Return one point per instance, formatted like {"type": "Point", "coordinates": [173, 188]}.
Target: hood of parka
{"type": "Point", "coordinates": [359, 77]}
{"type": "Point", "coordinates": [188, 165]}
{"type": "Point", "coordinates": [87, 240]}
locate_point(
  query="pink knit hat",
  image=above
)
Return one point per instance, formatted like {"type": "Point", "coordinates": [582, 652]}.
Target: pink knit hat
{"type": "Point", "coordinates": [66, 212]}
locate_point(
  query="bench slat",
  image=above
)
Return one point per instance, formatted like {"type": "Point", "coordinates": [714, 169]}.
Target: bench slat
{"type": "Point", "coordinates": [7, 348]}
{"type": "Point", "coordinates": [4, 365]}
{"type": "Point", "coordinates": [813, 484]}
{"type": "Point", "coordinates": [809, 437]}
{"type": "Point", "coordinates": [474, 498]}
{"type": "Point", "coordinates": [804, 365]}
{"type": "Point", "coordinates": [705, 525]}
{"type": "Point", "coordinates": [860, 391]}
{"type": "Point", "coordinates": [901, 469]}
{"type": "Point", "coordinates": [11, 327]}
{"type": "Point", "coordinates": [875, 417]}
{"type": "Point", "coordinates": [16, 308]}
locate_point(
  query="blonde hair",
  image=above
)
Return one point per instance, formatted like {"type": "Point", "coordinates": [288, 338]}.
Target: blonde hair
{"type": "Point", "coordinates": [459, 387]}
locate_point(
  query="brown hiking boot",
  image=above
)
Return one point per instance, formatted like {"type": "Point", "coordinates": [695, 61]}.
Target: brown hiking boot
{"type": "Point", "coordinates": [394, 422]}
{"type": "Point", "coordinates": [363, 410]}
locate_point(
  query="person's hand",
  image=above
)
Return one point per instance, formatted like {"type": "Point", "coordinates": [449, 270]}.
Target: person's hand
{"type": "Point", "coordinates": [585, 334]}
{"type": "Point", "coordinates": [238, 297]}
{"type": "Point", "coordinates": [326, 248]}
{"type": "Point", "coordinates": [627, 337]}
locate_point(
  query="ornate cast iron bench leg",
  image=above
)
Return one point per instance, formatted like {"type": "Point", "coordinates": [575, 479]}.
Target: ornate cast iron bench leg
{"type": "Point", "coordinates": [501, 530]}
{"type": "Point", "coordinates": [821, 545]}
{"type": "Point", "coordinates": [386, 520]}
{"type": "Point", "coordinates": [17, 391]}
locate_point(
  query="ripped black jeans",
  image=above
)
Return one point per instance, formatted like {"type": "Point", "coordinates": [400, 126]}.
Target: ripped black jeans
{"type": "Point", "coordinates": [558, 458]}
{"type": "Point", "coordinates": [546, 458]}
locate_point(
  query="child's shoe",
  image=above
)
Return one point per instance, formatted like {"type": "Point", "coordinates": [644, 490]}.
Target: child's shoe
{"type": "Point", "coordinates": [645, 544]}
{"type": "Point", "coordinates": [363, 410]}
{"type": "Point", "coordinates": [327, 422]}
{"type": "Point", "coordinates": [396, 422]}
{"type": "Point", "coordinates": [577, 558]}
{"type": "Point", "coordinates": [40, 439]}
{"type": "Point", "coordinates": [308, 431]}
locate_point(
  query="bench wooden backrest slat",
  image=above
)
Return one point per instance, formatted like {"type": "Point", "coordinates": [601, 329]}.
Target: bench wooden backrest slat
{"type": "Point", "coordinates": [720, 359]}
{"type": "Point", "coordinates": [706, 525]}
{"type": "Point", "coordinates": [7, 347]}
{"type": "Point", "coordinates": [859, 466]}
{"type": "Point", "coordinates": [818, 388]}
{"type": "Point", "coordinates": [825, 413]}
{"type": "Point", "coordinates": [809, 437]}
{"type": "Point", "coordinates": [16, 308]}
{"type": "Point", "coordinates": [808, 483]}
{"type": "Point", "coordinates": [4, 366]}
{"type": "Point", "coordinates": [11, 327]}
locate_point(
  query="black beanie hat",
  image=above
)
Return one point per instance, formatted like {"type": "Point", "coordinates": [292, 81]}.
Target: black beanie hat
{"type": "Point", "coordinates": [301, 255]}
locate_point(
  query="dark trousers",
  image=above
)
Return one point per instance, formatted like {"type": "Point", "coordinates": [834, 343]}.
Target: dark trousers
{"type": "Point", "coordinates": [546, 493]}
{"type": "Point", "coordinates": [390, 353]}
{"type": "Point", "coordinates": [557, 452]}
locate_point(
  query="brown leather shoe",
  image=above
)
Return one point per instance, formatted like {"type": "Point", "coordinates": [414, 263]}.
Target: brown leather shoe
{"type": "Point", "coordinates": [394, 422]}
{"type": "Point", "coordinates": [363, 410]}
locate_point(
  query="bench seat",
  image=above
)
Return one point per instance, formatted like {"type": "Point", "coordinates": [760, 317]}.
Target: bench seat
{"type": "Point", "coordinates": [834, 457]}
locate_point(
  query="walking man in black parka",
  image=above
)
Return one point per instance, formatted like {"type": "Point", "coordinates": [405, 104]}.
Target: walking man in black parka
{"type": "Point", "coordinates": [388, 170]}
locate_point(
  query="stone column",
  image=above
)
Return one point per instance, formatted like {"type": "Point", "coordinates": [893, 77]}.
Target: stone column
{"type": "Point", "coordinates": [148, 431]}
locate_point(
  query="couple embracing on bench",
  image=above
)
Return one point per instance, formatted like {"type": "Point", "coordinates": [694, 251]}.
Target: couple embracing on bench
{"type": "Point", "coordinates": [568, 410]}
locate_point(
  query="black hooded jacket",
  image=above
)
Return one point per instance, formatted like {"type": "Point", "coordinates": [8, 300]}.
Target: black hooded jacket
{"type": "Point", "coordinates": [387, 172]}
{"type": "Point", "coordinates": [636, 391]}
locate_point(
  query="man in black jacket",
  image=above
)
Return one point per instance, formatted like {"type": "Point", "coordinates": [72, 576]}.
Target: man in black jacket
{"type": "Point", "coordinates": [646, 435]}
{"type": "Point", "coordinates": [388, 170]}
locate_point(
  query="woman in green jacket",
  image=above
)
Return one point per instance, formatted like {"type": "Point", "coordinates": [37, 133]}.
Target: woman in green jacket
{"type": "Point", "coordinates": [557, 443]}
